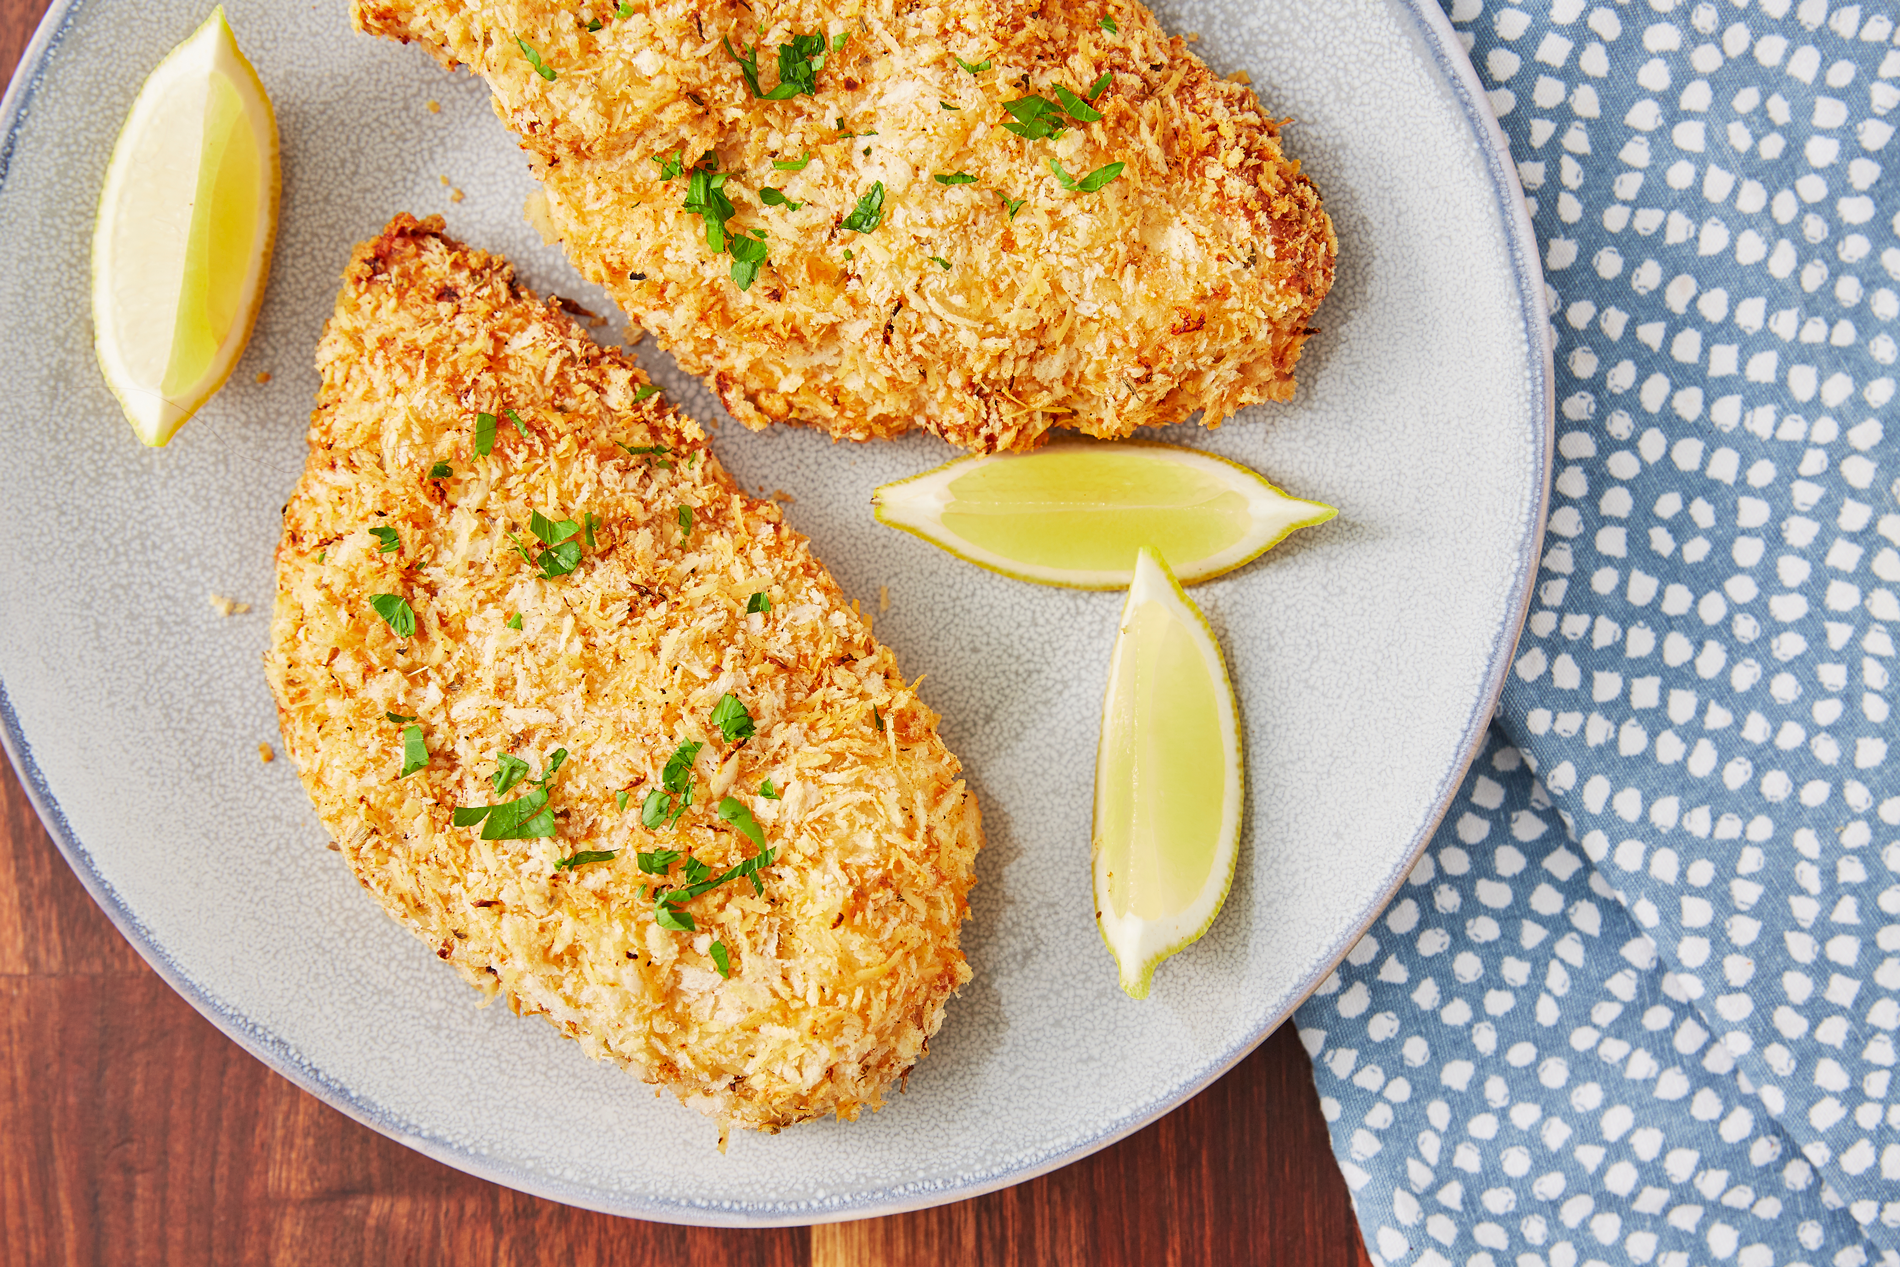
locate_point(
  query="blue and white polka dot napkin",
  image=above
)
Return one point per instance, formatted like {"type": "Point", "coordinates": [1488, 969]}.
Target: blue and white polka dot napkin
{"type": "Point", "coordinates": [1638, 1002]}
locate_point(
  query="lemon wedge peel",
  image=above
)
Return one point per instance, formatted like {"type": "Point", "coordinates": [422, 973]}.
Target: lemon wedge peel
{"type": "Point", "coordinates": [1169, 785]}
{"type": "Point", "coordinates": [186, 224]}
{"type": "Point", "coordinates": [1064, 514]}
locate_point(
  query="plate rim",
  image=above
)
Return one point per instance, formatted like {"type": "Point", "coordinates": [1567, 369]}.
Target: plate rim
{"type": "Point", "coordinates": [1440, 42]}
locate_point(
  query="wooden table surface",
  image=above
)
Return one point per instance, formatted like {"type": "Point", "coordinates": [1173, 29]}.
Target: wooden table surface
{"type": "Point", "coordinates": [132, 1131]}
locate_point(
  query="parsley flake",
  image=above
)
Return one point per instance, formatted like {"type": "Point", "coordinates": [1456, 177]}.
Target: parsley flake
{"type": "Point", "coordinates": [686, 522]}
{"type": "Point", "coordinates": [625, 10]}
{"type": "Point", "coordinates": [541, 68]}
{"type": "Point", "coordinates": [656, 862]}
{"type": "Point", "coordinates": [415, 753]}
{"type": "Point", "coordinates": [776, 198]}
{"type": "Point", "coordinates": [595, 25]}
{"type": "Point", "coordinates": [484, 434]}
{"type": "Point", "coordinates": [514, 621]}
{"type": "Point", "coordinates": [954, 178]}
{"type": "Point", "coordinates": [878, 718]}
{"type": "Point", "coordinates": [1100, 86]}
{"type": "Point", "coordinates": [1089, 183]}
{"type": "Point", "coordinates": [1014, 204]}
{"type": "Point", "coordinates": [396, 613]}
{"type": "Point", "coordinates": [584, 857]}
{"type": "Point", "coordinates": [641, 393]}
{"type": "Point", "coordinates": [398, 718]}
{"type": "Point", "coordinates": [869, 212]}
{"type": "Point", "coordinates": [791, 164]}
{"type": "Point", "coordinates": [515, 418]}
{"type": "Point", "coordinates": [945, 105]}
{"type": "Point", "coordinates": [734, 722]}
{"type": "Point", "coordinates": [975, 69]}
{"type": "Point", "coordinates": [721, 958]}
{"type": "Point", "coordinates": [440, 471]}
{"type": "Point", "coordinates": [705, 198]}
{"type": "Point", "coordinates": [560, 553]}
{"type": "Point", "coordinates": [1034, 118]}
{"type": "Point", "coordinates": [664, 804]}
{"type": "Point", "coordinates": [668, 912]}
{"type": "Point", "coordinates": [1079, 110]}
{"type": "Point", "coordinates": [620, 801]}
{"type": "Point", "coordinates": [524, 818]}
{"type": "Point", "coordinates": [1108, 24]}
{"type": "Point", "coordinates": [798, 65]}
{"type": "Point", "coordinates": [940, 262]}
{"type": "Point", "coordinates": [509, 770]}
{"type": "Point", "coordinates": [769, 792]}
{"type": "Point", "coordinates": [759, 602]}
{"type": "Point", "coordinates": [747, 255]}
{"type": "Point", "coordinates": [670, 166]}
{"type": "Point", "coordinates": [391, 543]}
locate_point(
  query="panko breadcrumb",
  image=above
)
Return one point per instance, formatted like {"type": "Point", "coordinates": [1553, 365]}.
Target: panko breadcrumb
{"type": "Point", "coordinates": [987, 309]}
{"type": "Point", "coordinates": [841, 968]}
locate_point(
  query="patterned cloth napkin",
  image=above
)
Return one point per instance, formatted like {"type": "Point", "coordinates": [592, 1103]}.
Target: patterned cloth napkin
{"type": "Point", "coordinates": [1638, 1001]}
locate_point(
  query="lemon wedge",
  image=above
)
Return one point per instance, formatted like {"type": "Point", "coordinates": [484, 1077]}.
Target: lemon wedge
{"type": "Point", "coordinates": [186, 224]}
{"type": "Point", "coordinates": [1167, 779]}
{"type": "Point", "coordinates": [1074, 514]}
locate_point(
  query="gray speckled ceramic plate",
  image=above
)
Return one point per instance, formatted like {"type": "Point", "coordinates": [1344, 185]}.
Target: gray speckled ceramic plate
{"type": "Point", "coordinates": [1367, 653]}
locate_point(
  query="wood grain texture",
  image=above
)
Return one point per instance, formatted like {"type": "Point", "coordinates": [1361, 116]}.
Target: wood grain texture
{"type": "Point", "coordinates": [133, 1132]}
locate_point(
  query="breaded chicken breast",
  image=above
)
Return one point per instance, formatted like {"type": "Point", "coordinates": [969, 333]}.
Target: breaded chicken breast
{"type": "Point", "coordinates": [745, 878]}
{"type": "Point", "coordinates": [984, 218]}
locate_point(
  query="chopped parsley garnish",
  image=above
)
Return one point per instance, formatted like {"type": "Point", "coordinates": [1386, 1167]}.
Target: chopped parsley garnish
{"type": "Point", "coordinates": [940, 262]}
{"type": "Point", "coordinates": [722, 960]}
{"type": "Point", "coordinates": [735, 812]}
{"type": "Point", "coordinates": [560, 553]}
{"type": "Point", "coordinates": [524, 818]}
{"type": "Point", "coordinates": [769, 792]}
{"type": "Point", "coordinates": [1108, 24]}
{"type": "Point", "coordinates": [1034, 118]}
{"type": "Point", "coordinates": [664, 804]}
{"type": "Point", "coordinates": [759, 602]}
{"type": "Point", "coordinates": [776, 198]}
{"type": "Point", "coordinates": [748, 253]}
{"type": "Point", "coordinates": [440, 471]}
{"type": "Point", "coordinates": [398, 718]}
{"type": "Point", "coordinates": [1089, 183]}
{"type": "Point", "coordinates": [391, 543]}
{"type": "Point", "coordinates": [515, 418]}
{"type": "Point", "coordinates": [620, 801]}
{"type": "Point", "coordinates": [396, 613]}
{"type": "Point", "coordinates": [541, 68]}
{"type": "Point", "coordinates": [705, 198]}
{"type": "Point", "coordinates": [514, 621]}
{"type": "Point", "coordinates": [509, 770]}
{"type": "Point", "coordinates": [837, 44]}
{"type": "Point", "coordinates": [686, 522]}
{"type": "Point", "coordinates": [791, 164]}
{"type": "Point", "coordinates": [584, 857]}
{"type": "Point", "coordinates": [869, 212]}
{"type": "Point", "coordinates": [976, 69]}
{"type": "Point", "coordinates": [415, 753]}
{"type": "Point", "coordinates": [484, 434]}
{"type": "Point", "coordinates": [667, 908]}
{"type": "Point", "coordinates": [734, 722]}
{"type": "Point", "coordinates": [625, 10]}
{"type": "Point", "coordinates": [322, 555]}
{"type": "Point", "coordinates": [878, 718]}
{"type": "Point", "coordinates": [1100, 86]}
{"type": "Point", "coordinates": [643, 391]}
{"type": "Point", "coordinates": [954, 178]}
{"type": "Point", "coordinates": [1014, 204]}
{"type": "Point", "coordinates": [656, 862]}
{"type": "Point", "coordinates": [1079, 110]}
{"type": "Point", "coordinates": [655, 452]}
{"type": "Point", "coordinates": [798, 65]}
{"type": "Point", "coordinates": [945, 105]}
{"type": "Point", "coordinates": [671, 166]}
{"type": "Point", "coordinates": [595, 25]}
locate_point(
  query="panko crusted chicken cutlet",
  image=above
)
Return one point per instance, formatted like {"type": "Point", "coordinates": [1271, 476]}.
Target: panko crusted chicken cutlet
{"type": "Point", "coordinates": [986, 219]}
{"type": "Point", "coordinates": [745, 879]}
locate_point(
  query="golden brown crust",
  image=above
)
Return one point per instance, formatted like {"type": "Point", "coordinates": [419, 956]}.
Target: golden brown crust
{"type": "Point", "coordinates": [841, 969]}
{"type": "Point", "coordinates": [1188, 283]}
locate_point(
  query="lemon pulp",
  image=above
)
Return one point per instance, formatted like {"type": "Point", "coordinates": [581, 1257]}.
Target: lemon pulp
{"type": "Point", "coordinates": [1167, 779]}
{"type": "Point", "coordinates": [186, 222]}
{"type": "Point", "coordinates": [1075, 514]}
